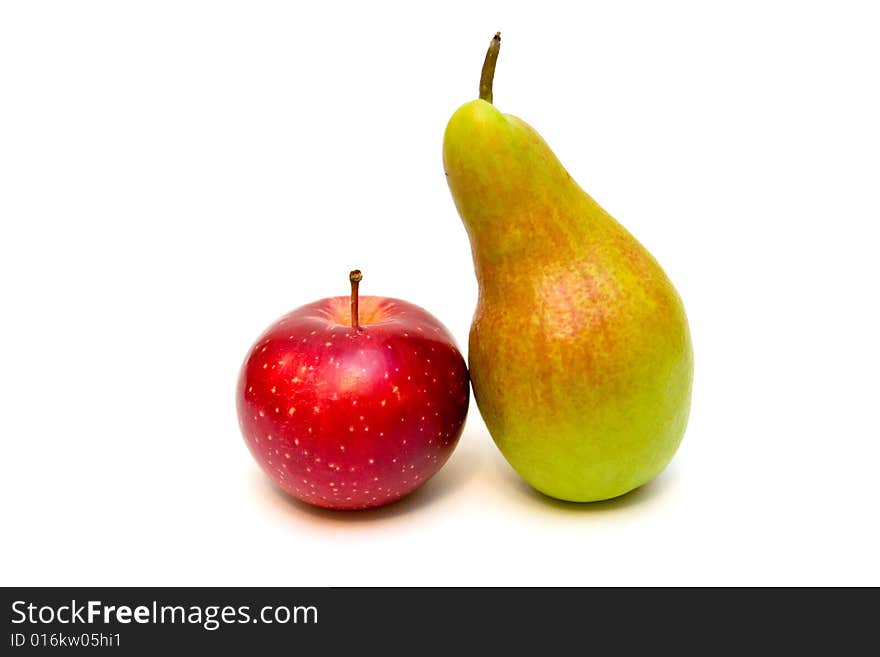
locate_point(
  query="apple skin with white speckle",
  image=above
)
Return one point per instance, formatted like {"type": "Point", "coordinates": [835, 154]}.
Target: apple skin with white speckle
{"type": "Point", "coordinates": [347, 417]}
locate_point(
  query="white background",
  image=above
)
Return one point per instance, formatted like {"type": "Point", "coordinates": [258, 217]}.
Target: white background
{"type": "Point", "coordinates": [175, 175]}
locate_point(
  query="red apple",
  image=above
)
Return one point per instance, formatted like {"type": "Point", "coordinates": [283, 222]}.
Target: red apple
{"type": "Point", "coordinates": [351, 403]}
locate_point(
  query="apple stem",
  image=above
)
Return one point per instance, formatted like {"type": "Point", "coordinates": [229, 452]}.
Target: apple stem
{"type": "Point", "coordinates": [488, 73]}
{"type": "Point", "coordinates": [355, 277]}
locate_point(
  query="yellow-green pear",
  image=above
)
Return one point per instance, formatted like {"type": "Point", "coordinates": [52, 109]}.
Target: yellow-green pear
{"type": "Point", "coordinates": [580, 352]}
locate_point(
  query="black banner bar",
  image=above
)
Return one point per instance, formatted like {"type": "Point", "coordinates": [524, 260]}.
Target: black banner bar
{"type": "Point", "coordinates": [410, 620]}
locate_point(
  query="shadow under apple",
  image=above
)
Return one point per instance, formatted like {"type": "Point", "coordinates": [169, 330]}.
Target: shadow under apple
{"type": "Point", "coordinates": [461, 467]}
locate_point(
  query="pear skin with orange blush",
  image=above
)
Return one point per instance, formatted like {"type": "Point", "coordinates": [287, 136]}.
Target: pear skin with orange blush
{"type": "Point", "coordinates": [580, 353]}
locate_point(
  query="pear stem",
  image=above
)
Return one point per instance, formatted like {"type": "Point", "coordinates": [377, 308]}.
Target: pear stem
{"type": "Point", "coordinates": [355, 277]}
{"type": "Point", "coordinates": [488, 73]}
